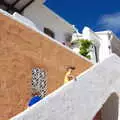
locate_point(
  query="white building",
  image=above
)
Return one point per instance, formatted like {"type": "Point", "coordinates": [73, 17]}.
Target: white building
{"type": "Point", "coordinates": [39, 17]}
{"type": "Point", "coordinates": [43, 18]}
{"type": "Point", "coordinates": [104, 43]}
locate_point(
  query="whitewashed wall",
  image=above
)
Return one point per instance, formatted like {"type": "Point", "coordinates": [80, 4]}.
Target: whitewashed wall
{"type": "Point", "coordinates": [44, 17]}
{"type": "Point", "coordinates": [81, 99]}
{"type": "Point", "coordinates": [90, 35]}
{"type": "Point", "coordinates": [105, 42]}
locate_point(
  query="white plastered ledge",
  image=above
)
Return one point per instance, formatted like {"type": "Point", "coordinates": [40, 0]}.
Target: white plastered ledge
{"type": "Point", "coordinates": [81, 99]}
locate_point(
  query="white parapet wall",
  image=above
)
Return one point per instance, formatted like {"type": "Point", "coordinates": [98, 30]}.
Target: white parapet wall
{"type": "Point", "coordinates": [24, 21]}
{"type": "Point", "coordinates": [81, 99]}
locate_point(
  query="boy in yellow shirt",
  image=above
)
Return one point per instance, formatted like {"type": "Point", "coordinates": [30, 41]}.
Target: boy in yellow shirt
{"type": "Point", "coordinates": [68, 75]}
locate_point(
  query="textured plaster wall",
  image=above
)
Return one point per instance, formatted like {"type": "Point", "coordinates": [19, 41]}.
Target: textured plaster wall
{"type": "Point", "coordinates": [22, 49]}
{"type": "Point", "coordinates": [81, 99]}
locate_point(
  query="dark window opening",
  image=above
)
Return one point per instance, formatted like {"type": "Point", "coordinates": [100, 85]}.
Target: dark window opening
{"type": "Point", "coordinates": [96, 53]}
{"type": "Point", "coordinates": [109, 47]}
{"type": "Point", "coordinates": [49, 32]}
{"type": "Point", "coordinates": [68, 37]}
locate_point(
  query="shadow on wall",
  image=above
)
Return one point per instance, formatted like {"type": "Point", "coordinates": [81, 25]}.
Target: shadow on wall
{"type": "Point", "coordinates": [110, 108]}
{"type": "Point", "coordinates": [109, 111]}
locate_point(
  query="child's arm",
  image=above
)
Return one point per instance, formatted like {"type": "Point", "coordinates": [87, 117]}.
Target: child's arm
{"type": "Point", "coordinates": [72, 77]}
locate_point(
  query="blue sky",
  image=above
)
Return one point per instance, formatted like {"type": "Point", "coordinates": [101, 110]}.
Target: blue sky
{"type": "Point", "coordinates": [96, 14]}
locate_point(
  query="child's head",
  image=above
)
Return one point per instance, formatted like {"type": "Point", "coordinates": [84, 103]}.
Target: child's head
{"type": "Point", "coordinates": [70, 68]}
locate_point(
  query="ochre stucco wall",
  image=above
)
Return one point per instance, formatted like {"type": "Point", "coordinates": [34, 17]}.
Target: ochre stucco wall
{"type": "Point", "coordinates": [22, 49]}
